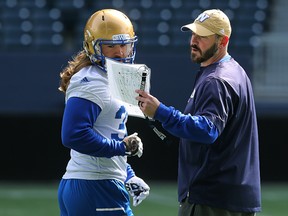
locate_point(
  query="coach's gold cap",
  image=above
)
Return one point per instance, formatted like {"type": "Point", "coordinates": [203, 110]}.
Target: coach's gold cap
{"type": "Point", "coordinates": [210, 22]}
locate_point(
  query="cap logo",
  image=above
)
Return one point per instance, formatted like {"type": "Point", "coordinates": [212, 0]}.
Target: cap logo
{"type": "Point", "coordinates": [202, 17]}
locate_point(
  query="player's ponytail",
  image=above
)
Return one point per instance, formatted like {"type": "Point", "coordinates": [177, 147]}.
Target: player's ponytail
{"type": "Point", "coordinates": [76, 64]}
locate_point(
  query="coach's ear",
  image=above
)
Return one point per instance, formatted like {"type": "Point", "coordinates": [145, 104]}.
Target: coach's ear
{"type": "Point", "coordinates": [224, 41]}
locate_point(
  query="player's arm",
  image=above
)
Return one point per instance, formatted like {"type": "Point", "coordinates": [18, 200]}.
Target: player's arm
{"type": "Point", "coordinates": [130, 172]}
{"type": "Point", "coordinates": [77, 130]}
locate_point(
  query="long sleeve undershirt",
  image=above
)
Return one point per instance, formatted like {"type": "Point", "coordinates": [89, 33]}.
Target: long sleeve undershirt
{"type": "Point", "coordinates": [78, 134]}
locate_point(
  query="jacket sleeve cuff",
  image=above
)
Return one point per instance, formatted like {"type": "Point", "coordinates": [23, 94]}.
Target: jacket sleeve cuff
{"type": "Point", "coordinates": [162, 113]}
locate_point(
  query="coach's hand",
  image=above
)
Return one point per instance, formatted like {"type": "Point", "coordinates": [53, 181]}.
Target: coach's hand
{"type": "Point", "coordinates": [138, 189]}
{"type": "Point", "coordinates": [134, 145]}
{"type": "Point", "coordinates": [147, 103]}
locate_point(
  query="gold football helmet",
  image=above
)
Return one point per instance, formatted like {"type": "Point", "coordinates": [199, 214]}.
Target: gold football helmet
{"type": "Point", "coordinates": [112, 27]}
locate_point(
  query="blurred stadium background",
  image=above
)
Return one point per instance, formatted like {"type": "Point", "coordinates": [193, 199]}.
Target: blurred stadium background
{"type": "Point", "coordinates": [38, 37]}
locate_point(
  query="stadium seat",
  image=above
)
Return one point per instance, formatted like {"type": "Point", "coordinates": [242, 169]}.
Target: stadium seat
{"type": "Point", "coordinates": [154, 20]}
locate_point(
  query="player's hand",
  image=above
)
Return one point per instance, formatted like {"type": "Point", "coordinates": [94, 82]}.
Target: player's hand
{"type": "Point", "coordinates": [134, 145]}
{"type": "Point", "coordinates": [138, 189]}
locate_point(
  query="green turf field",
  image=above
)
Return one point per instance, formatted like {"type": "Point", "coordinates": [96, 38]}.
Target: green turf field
{"type": "Point", "coordinates": [41, 200]}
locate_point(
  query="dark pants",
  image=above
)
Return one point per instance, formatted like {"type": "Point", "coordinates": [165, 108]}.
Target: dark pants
{"type": "Point", "coordinates": [188, 209]}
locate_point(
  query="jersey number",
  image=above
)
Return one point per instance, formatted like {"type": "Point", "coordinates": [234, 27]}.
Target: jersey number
{"type": "Point", "coordinates": [121, 126]}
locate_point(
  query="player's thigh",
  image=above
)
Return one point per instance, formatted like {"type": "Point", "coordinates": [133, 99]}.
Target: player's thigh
{"type": "Point", "coordinates": [73, 198]}
{"type": "Point", "coordinates": [89, 197]}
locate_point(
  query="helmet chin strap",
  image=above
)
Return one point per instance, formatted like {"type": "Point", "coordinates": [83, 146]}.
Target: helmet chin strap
{"type": "Point", "coordinates": [103, 68]}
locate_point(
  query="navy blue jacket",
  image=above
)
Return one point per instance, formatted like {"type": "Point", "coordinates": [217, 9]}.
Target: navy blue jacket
{"type": "Point", "coordinates": [218, 149]}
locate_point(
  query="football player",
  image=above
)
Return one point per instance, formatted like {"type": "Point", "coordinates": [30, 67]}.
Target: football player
{"type": "Point", "coordinates": [94, 125]}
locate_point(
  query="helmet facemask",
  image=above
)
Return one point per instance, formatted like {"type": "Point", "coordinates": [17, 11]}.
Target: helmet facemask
{"type": "Point", "coordinates": [99, 57]}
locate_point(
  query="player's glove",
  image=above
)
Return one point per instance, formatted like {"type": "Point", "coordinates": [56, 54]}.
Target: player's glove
{"type": "Point", "coordinates": [138, 189]}
{"type": "Point", "coordinates": [134, 145]}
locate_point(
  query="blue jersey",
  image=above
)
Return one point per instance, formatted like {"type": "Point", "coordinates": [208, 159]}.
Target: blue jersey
{"type": "Point", "coordinates": [218, 149]}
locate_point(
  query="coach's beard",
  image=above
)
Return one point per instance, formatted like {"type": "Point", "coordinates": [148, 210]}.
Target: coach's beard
{"type": "Point", "coordinates": [206, 55]}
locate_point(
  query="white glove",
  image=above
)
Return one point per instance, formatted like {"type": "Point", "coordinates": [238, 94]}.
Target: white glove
{"type": "Point", "coordinates": [134, 145]}
{"type": "Point", "coordinates": [138, 189]}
